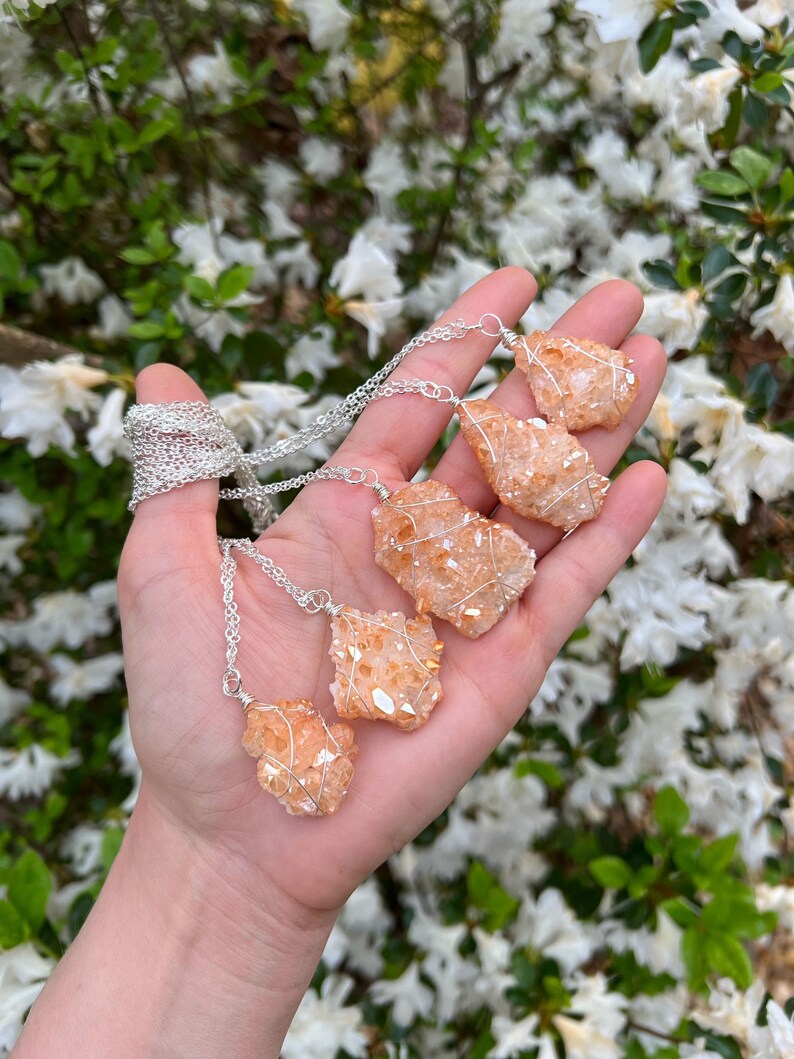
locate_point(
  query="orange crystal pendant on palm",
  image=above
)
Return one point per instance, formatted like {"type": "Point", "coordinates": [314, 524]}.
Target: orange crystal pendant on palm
{"type": "Point", "coordinates": [305, 763]}
{"type": "Point", "coordinates": [536, 468]}
{"type": "Point", "coordinates": [575, 381]}
{"type": "Point", "coordinates": [386, 667]}
{"type": "Point", "coordinates": [453, 561]}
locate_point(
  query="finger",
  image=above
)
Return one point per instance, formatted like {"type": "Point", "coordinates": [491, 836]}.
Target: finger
{"type": "Point", "coordinates": [605, 447]}
{"type": "Point", "coordinates": [396, 433]}
{"type": "Point", "coordinates": [575, 573]}
{"type": "Point", "coordinates": [190, 508]}
{"type": "Point", "coordinates": [606, 314]}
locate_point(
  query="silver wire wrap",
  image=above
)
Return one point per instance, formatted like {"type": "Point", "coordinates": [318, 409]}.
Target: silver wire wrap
{"type": "Point", "coordinates": [187, 441]}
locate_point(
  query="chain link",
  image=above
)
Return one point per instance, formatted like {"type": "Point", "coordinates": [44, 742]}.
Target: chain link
{"type": "Point", "coordinates": [358, 400]}
{"type": "Point", "coordinates": [351, 475]}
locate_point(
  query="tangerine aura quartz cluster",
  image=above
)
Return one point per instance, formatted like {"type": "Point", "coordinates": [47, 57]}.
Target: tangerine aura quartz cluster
{"type": "Point", "coordinates": [305, 763]}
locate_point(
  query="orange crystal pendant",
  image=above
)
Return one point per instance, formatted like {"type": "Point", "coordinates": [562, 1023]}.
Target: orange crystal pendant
{"type": "Point", "coordinates": [453, 561]}
{"type": "Point", "coordinates": [304, 762]}
{"type": "Point", "coordinates": [575, 381]}
{"type": "Point", "coordinates": [536, 468]}
{"type": "Point", "coordinates": [386, 667]}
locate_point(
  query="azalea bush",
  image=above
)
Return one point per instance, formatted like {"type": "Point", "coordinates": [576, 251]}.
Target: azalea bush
{"type": "Point", "coordinates": [275, 197]}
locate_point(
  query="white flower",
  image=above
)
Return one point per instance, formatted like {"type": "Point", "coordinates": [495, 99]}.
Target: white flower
{"type": "Point", "coordinates": [281, 224]}
{"type": "Point", "coordinates": [23, 972]}
{"type": "Point", "coordinates": [16, 512]}
{"type": "Point", "coordinates": [328, 22]}
{"type": "Point", "coordinates": [674, 317]}
{"type": "Point", "coordinates": [31, 771]}
{"type": "Point", "coordinates": [374, 316]}
{"type": "Point", "coordinates": [595, 1035]}
{"type": "Point", "coordinates": [121, 745]}
{"type": "Point", "coordinates": [69, 618]}
{"type": "Point", "coordinates": [82, 680]}
{"type": "Point", "coordinates": [730, 1011]}
{"type": "Point", "coordinates": [322, 1026]}
{"type": "Point", "coordinates": [212, 74]}
{"type": "Point", "coordinates": [553, 929]}
{"type": "Point", "coordinates": [386, 174]}
{"type": "Point", "coordinates": [706, 96]}
{"type": "Point", "coordinates": [512, 1038]}
{"type": "Point", "coordinates": [623, 176]}
{"type": "Point", "coordinates": [33, 402]}
{"type": "Point", "coordinates": [82, 847]}
{"type": "Point", "coordinates": [617, 20]}
{"type": "Point", "coordinates": [72, 281]}
{"type": "Point", "coordinates": [106, 439]}
{"type": "Point", "coordinates": [750, 458]}
{"type": "Point", "coordinates": [365, 270]}
{"type": "Point", "coordinates": [321, 159]}
{"type": "Point", "coordinates": [10, 543]}
{"type": "Point", "coordinates": [778, 316]}
{"type": "Point", "coordinates": [198, 247]}
{"type": "Point", "coordinates": [12, 700]}
{"type": "Point", "coordinates": [114, 320]}
{"type": "Point", "coordinates": [313, 353]}
{"type": "Point", "coordinates": [521, 24]}
{"type": "Point", "coordinates": [408, 997]}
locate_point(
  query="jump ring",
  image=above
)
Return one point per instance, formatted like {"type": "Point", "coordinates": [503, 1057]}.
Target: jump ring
{"type": "Point", "coordinates": [491, 334]}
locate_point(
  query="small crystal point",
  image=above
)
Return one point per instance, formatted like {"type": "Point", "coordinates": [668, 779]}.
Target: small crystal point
{"type": "Point", "coordinates": [389, 670]}
{"type": "Point", "coordinates": [304, 762]}
{"type": "Point", "coordinates": [575, 381]}
{"type": "Point", "coordinates": [415, 531]}
{"type": "Point", "coordinates": [542, 474]}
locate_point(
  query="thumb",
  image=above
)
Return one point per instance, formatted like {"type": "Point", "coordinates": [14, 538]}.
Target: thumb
{"type": "Point", "coordinates": [186, 514]}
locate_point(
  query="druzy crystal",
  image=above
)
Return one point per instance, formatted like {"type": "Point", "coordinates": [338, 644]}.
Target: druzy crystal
{"type": "Point", "coordinates": [304, 762]}
{"type": "Point", "coordinates": [453, 561]}
{"type": "Point", "coordinates": [386, 667]}
{"type": "Point", "coordinates": [575, 381]}
{"type": "Point", "coordinates": [536, 468]}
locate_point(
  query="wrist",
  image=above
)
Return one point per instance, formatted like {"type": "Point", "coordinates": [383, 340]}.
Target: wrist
{"type": "Point", "coordinates": [200, 957]}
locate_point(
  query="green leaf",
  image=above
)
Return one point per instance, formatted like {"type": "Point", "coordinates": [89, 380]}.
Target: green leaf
{"type": "Point", "coordinates": [147, 329]}
{"type": "Point", "coordinates": [756, 168]}
{"type": "Point", "coordinates": [234, 282]}
{"type": "Point", "coordinates": [486, 894]}
{"type": "Point", "coordinates": [12, 926]}
{"type": "Point", "coordinates": [694, 7]}
{"type": "Point", "coordinates": [720, 183]}
{"type": "Point", "coordinates": [786, 185]}
{"type": "Point", "coordinates": [29, 885]}
{"type": "Point", "coordinates": [670, 810]}
{"type": "Point", "coordinates": [654, 42]}
{"type": "Point", "coordinates": [137, 255]}
{"type": "Point", "coordinates": [544, 770]}
{"type": "Point", "coordinates": [154, 131]}
{"type": "Point", "coordinates": [661, 274]}
{"type": "Point", "coordinates": [727, 956]}
{"type": "Point", "coordinates": [10, 261]}
{"type": "Point", "coordinates": [692, 952]}
{"type": "Point", "coordinates": [715, 262]}
{"type": "Point", "coordinates": [768, 81]}
{"type": "Point", "coordinates": [611, 872]}
{"type": "Point", "coordinates": [718, 854]}
{"type": "Point", "coordinates": [199, 288]}
{"type": "Point", "coordinates": [755, 111]}
{"type": "Point", "coordinates": [111, 844]}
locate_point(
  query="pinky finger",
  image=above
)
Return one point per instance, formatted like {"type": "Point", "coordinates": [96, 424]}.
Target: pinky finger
{"type": "Point", "coordinates": [574, 573]}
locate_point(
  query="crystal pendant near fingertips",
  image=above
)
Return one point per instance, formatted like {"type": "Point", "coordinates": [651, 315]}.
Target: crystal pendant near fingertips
{"type": "Point", "coordinates": [305, 763]}
{"type": "Point", "coordinates": [454, 562]}
{"type": "Point", "coordinates": [575, 381]}
{"type": "Point", "coordinates": [386, 667]}
{"type": "Point", "coordinates": [536, 468]}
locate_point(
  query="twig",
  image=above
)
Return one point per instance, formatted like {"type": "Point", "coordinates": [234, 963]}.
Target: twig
{"type": "Point", "coordinates": [204, 168]}
{"type": "Point", "coordinates": [22, 347]}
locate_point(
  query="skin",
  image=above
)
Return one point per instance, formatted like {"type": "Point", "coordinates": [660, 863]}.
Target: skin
{"type": "Point", "coordinates": [217, 908]}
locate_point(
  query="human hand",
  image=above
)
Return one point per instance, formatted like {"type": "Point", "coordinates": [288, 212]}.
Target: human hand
{"type": "Point", "coordinates": [217, 908]}
{"type": "Point", "coordinates": [188, 735]}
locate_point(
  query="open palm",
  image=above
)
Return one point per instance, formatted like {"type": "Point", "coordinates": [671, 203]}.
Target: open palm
{"type": "Point", "coordinates": [187, 733]}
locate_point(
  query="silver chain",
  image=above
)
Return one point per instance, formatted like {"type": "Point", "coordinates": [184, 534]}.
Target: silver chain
{"type": "Point", "coordinates": [181, 442]}
{"type": "Point", "coordinates": [351, 475]}
{"type": "Point", "coordinates": [313, 601]}
{"type": "Point", "coordinates": [358, 400]}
